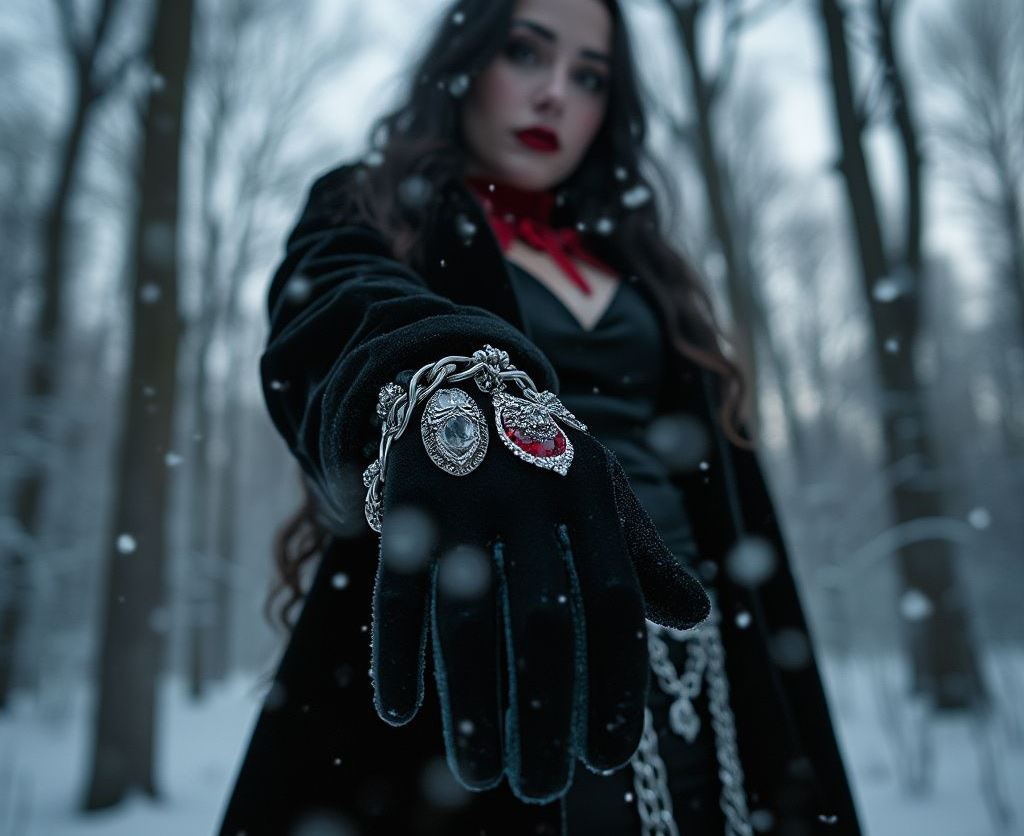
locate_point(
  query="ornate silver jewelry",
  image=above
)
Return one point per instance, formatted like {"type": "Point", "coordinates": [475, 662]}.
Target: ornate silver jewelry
{"type": "Point", "coordinates": [453, 429]}
{"type": "Point", "coordinates": [705, 660]}
{"type": "Point", "coordinates": [527, 429]}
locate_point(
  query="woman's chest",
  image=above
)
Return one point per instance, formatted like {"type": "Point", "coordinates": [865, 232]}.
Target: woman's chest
{"type": "Point", "coordinates": [587, 309]}
{"type": "Point", "coordinates": [615, 367]}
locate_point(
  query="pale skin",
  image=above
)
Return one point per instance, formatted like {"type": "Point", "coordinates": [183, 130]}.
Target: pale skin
{"type": "Point", "coordinates": [550, 72]}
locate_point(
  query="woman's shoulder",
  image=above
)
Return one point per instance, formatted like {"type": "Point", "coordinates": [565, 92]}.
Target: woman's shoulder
{"type": "Point", "coordinates": [332, 208]}
{"type": "Point", "coordinates": [331, 186]}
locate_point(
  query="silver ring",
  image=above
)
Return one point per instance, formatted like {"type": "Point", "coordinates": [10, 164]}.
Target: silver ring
{"type": "Point", "coordinates": [454, 431]}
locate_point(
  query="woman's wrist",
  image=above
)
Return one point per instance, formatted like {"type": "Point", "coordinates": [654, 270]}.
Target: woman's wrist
{"type": "Point", "coordinates": [453, 429]}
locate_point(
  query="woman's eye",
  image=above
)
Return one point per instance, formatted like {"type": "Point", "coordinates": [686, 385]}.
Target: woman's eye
{"type": "Point", "coordinates": [519, 50]}
{"type": "Point", "coordinates": [522, 52]}
{"type": "Point", "coordinates": [594, 81]}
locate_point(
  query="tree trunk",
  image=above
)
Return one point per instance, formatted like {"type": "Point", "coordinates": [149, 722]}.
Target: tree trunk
{"type": "Point", "coordinates": [38, 398]}
{"type": "Point", "coordinates": [226, 527]}
{"type": "Point", "coordinates": [944, 666]}
{"type": "Point", "coordinates": [131, 648]}
{"type": "Point", "coordinates": [716, 186]}
{"type": "Point", "coordinates": [198, 583]}
{"type": "Point", "coordinates": [201, 569]}
{"type": "Point", "coordinates": [1011, 214]}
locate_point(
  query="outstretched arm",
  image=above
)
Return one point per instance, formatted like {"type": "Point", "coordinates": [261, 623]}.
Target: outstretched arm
{"type": "Point", "coordinates": [345, 317]}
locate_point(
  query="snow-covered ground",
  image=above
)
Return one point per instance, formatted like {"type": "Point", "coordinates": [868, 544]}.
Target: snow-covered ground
{"type": "Point", "coordinates": [43, 766]}
{"type": "Point", "coordinates": [43, 763]}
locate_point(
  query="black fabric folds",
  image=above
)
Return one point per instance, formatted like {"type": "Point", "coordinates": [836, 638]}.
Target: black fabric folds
{"type": "Point", "coordinates": [571, 566]}
{"type": "Point", "coordinates": [345, 318]}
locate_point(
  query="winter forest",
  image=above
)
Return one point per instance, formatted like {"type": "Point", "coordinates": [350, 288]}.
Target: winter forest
{"type": "Point", "coordinates": [850, 181]}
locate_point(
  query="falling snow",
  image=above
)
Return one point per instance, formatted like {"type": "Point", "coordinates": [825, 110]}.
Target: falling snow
{"type": "Point", "coordinates": [298, 289]}
{"type": "Point", "coordinates": [458, 86]}
{"type": "Point", "coordinates": [791, 649]}
{"type": "Point", "coordinates": [464, 227]}
{"type": "Point", "coordinates": [915, 605]}
{"type": "Point", "coordinates": [464, 572]}
{"type": "Point", "coordinates": [415, 191]}
{"type": "Point", "coordinates": [751, 561]}
{"type": "Point", "coordinates": [636, 196]}
{"type": "Point", "coordinates": [679, 440]}
{"type": "Point", "coordinates": [149, 293]}
{"type": "Point", "coordinates": [407, 538]}
{"type": "Point", "coordinates": [979, 518]}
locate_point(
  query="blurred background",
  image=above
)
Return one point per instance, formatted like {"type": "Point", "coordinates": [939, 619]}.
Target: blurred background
{"type": "Point", "coordinates": [850, 180]}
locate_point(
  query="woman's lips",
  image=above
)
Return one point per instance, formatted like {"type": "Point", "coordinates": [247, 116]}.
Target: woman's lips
{"type": "Point", "coordinates": [544, 141]}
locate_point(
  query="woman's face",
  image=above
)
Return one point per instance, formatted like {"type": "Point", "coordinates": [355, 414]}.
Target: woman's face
{"type": "Point", "coordinates": [552, 73]}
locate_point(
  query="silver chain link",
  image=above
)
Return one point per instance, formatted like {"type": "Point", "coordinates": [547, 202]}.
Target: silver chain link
{"type": "Point", "coordinates": [651, 784]}
{"type": "Point", "coordinates": [490, 367]}
{"type": "Point", "coordinates": [730, 769]}
{"type": "Point", "coordinates": [705, 657]}
{"type": "Point", "coordinates": [682, 715]}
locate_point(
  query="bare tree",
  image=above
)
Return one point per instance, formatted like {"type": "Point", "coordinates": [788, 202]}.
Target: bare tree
{"type": "Point", "coordinates": [758, 186]}
{"type": "Point", "coordinates": [801, 252]}
{"type": "Point", "coordinates": [944, 666]}
{"type": "Point", "coordinates": [974, 65]}
{"type": "Point", "coordinates": [85, 47]}
{"type": "Point", "coordinates": [21, 126]}
{"type": "Point", "coordinates": [131, 646]}
{"type": "Point", "coordinates": [707, 87]}
{"type": "Point", "coordinates": [258, 71]}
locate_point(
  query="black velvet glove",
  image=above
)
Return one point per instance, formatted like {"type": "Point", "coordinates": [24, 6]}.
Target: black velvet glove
{"type": "Point", "coordinates": [540, 647]}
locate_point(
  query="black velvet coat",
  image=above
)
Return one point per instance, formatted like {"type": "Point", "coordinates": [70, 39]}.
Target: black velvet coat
{"type": "Point", "coordinates": [345, 317]}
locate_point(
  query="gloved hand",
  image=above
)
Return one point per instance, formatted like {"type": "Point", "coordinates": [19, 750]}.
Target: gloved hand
{"type": "Point", "coordinates": [539, 642]}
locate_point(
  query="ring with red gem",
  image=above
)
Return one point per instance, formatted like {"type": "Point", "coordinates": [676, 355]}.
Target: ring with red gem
{"type": "Point", "coordinates": [527, 428]}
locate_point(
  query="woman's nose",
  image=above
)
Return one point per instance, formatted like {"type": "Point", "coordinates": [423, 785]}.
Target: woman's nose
{"type": "Point", "coordinates": [553, 91]}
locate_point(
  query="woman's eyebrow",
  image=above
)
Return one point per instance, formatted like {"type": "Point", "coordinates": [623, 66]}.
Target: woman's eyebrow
{"type": "Point", "coordinates": [548, 35]}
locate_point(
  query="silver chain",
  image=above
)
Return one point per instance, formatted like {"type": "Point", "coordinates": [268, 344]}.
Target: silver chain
{"type": "Point", "coordinates": [730, 770]}
{"type": "Point", "coordinates": [651, 784]}
{"type": "Point", "coordinates": [489, 366]}
{"type": "Point", "coordinates": [682, 716]}
{"type": "Point", "coordinates": [705, 657]}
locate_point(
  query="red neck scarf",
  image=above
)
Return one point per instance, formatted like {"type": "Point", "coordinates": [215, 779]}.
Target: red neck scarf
{"type": "Point", "coordinates": [514, 212]}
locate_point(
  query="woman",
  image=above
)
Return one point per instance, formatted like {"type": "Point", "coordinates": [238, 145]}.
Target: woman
{"type": "Point", "coordinates": [503, 220]}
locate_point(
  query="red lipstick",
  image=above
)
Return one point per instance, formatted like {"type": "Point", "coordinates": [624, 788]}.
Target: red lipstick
{"type": "Point", "coordinates": [539, 138]}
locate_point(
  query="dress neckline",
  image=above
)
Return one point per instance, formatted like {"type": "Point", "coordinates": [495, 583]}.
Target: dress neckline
{"type": "Point", "coordinates": [565, 308]}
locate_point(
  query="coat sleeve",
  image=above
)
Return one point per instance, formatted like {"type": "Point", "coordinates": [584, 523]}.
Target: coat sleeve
{"type": "Point", "coordinates": [345, 318]}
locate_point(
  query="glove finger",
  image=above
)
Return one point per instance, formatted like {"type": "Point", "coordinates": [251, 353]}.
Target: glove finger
{"type": "Point", "coordinates": [399, 627]}
{"type": "Point", "coordinates": [673, 597]}
{"type": "Point", "coordinates": [467, 653]}
{"type": "Point", "coordinates": [541, 661]}
{"type": "Point", "coordinates": [615, 629]}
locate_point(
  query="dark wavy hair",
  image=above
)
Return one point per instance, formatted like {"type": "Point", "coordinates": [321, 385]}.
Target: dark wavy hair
{"type": "Point", "coordinates": [422, 137]}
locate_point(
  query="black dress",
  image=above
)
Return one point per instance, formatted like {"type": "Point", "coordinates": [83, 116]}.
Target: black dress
{"type": "Point", "coordinates": [318, 747]}
{"type": "Point", "coordinates": [611, 376]}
